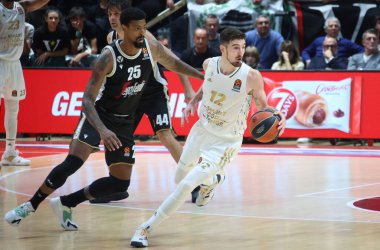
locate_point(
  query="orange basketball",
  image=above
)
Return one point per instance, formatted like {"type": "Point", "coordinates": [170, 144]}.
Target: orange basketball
{"type": "Point", "coordinates": [263, 126]}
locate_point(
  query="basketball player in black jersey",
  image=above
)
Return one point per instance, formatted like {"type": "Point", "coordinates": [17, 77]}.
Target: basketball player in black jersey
{"type": "Point", "coordinates": [154, 101]}
{"type": "Point", "coordinates": [109, 102]}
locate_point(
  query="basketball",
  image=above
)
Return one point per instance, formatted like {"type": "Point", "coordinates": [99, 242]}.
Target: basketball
{"type": "Point", "coordinates": [263, 126]}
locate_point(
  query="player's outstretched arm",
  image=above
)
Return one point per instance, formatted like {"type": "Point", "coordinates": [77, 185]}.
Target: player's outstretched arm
{"type": "Point", "coordinates": [256, 88]}
{"type": "Point", "coordinates": [32, 5]}
{"type": "Point", "coordinates": [189, 91]}
{"type": "Point", "coordinates": [101, 68]}
{"type": "Point", "coordinates": [172, 62]}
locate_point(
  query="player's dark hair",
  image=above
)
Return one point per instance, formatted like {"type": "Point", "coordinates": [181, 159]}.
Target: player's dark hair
{"type": "Point", "coordinates": [131, 14]}
{"type": "Point", "coordinates": [229, 34]}
{"type": "Point", "coordinates": [117, 4]}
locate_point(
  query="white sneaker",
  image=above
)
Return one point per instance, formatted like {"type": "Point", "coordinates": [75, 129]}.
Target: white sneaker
{"type": "Point", "coordinates": [12, 158]}
{"type": "Point", "coordinates": [206, 193]}
{"type": "Point", "coordinates": [15, 216]}
{"type": "Point", "coordinates": [64, 214]}
{"type": "Point", "coordinates": [140, 238]}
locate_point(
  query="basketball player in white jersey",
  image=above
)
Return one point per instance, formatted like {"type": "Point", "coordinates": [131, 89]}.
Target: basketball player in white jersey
{"type": "Point", "coordinates": [12, 85]}
{"type": "Point", "coordinates": [227, 92]}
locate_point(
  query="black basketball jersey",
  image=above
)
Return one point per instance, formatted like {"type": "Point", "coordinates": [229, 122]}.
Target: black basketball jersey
{"type": "Point", "coordinates": [157, 77]}
{"type": "Point", "coordinates": [123, 87]}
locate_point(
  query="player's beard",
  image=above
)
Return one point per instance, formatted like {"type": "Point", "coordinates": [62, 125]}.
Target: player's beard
{"type": "Point", "coordinates": [139, 44]}
{"type": "Point", "coordinates": [235, 64]}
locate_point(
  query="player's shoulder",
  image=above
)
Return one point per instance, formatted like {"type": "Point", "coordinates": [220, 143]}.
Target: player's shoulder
{"type": "Point", "coordinates": [209, 61]}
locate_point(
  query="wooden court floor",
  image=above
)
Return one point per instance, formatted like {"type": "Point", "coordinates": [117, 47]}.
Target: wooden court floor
{"type": "Point", "coordinates": [274, 197]}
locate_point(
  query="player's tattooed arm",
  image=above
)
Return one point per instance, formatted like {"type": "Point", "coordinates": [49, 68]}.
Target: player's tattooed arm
{"type": "Point", "coordinates": [171, 61]}
{"type": "Point", "coordinates": [102, 67]}
{"type": "Point", "coordinates": [99, 71]}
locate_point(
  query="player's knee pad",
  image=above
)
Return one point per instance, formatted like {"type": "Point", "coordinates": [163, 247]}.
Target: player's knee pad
{"type": "Point", "coordinates": [119, 185]}
{"type": "Point", "coordinates": [57, 177]}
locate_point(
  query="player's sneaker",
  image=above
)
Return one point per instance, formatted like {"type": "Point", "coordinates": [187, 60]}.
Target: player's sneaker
{"type": "Point", "coordinates": [64, 214]}
{"type": "Point", "coordinates": [13, 158]}
{"type": "Point", "coordinates": [15, 216]}
{"type": "Point", "coordinates": [207, 192]}
{"type": "Point", "coordinates": [140, 238]}
{"type": "Point", "coordinates": [112, 197]}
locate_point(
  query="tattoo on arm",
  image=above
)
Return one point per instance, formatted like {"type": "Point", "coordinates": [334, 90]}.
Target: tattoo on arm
{"type": "Point", "coordinates": [94, 84]}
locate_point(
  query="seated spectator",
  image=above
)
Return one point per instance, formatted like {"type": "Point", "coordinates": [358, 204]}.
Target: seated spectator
{"type": "Point", "coordinates": [252, 57]}
{"type": "Point", "coordinates": [26, 52]}
{"type": "Point", "coordinates": [211, 24]}
{"type": "Point", "coordinates": [346, 48]}
{"type": "Point", "coordinates": [370, 59]}
{"type": "Point", "coordinates": [51, 41]}
{"type": "Point", "coordinates": [289, 58]}
{"type": "Point", "coordinates": [82, 34]}
{"type": "Point", "coordinates": [266, 40]}
{"type": "Point", "coordinates": [195, 55]}
{"type": "Point", "coordinates": [329, 59]}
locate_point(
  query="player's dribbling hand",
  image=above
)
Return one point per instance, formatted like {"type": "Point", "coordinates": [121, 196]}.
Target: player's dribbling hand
{"type": "Point", "coordinates": [110, 140]}
{"type": "Point", "coordinates": [282, 123]}
{"type": "Point", "coordinates": [189, 110]}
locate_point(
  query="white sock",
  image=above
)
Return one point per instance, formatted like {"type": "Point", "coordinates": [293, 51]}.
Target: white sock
{"type": "Point", "coordinates": [10, 123]}
{"type": "Point", "coordinates": [196, 176]}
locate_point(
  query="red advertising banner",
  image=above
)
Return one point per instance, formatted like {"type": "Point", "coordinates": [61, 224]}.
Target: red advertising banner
{"type": "Point", "coordinates": [345, 102]}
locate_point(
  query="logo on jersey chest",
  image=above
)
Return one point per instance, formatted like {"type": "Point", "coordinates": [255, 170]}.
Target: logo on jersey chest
{"type": "Point", "coordinates": [237, 85]}
{"type": "Point", "coordinates": [130, 90]}
{"type": "Point", "coordinates": [120, 60]}
{"type": "Point", "coordinates": [145, 54]}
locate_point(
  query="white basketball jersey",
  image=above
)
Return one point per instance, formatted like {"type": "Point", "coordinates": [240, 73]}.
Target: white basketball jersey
{"type": "Point", "coordinates": [12, 25]}
{"type": "Point", "coordinates": [225, 102]}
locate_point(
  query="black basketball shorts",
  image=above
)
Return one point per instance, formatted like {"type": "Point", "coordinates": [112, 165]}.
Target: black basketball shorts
{"type": "Point", "coordinates": [121, 126]}
{"type": "Point", "coordinates": [155, 104]}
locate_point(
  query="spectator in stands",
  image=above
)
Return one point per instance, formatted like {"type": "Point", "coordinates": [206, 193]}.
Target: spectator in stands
{"type": "Point", "coordinates": [329, 59]}
{"type": "Point", "coordinates": [346, 48]}
{"type": "Point", "coordinates": [252, 57]}
{"type": "Point", "coordinates": [82, 34]}
{"type": "Point", "coordinates": [211, 24]}
{"type": "Point", "coordinates": [51, 41]}
{"type": "Point", "coordinates": [25, 56]}
{"type": "Point", "coordinates": [370, 59]}
{"type": "Point", "coordinates": [266, 40]}
{"type": "Point", "coordinates": [289, 58]}
{"type": "Point", "coordinates": [97, 15]}
{"type": "Point", "coordinates": [195, 55]}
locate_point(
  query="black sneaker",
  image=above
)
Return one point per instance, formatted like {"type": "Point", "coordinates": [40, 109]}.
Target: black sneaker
{"type": "Point", "coordinates": [194, 194]}
{"type": "Point", "coordinates": [112, 197]}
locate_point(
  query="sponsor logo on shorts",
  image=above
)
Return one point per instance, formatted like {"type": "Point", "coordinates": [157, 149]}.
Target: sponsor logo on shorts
{"type": "Point", "coordinates": [127, 151]}
{"type": "Point", "coordinates": [14, 93]}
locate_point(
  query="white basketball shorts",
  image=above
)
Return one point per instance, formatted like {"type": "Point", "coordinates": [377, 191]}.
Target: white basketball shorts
{"type": "Point", "coordinates": [211, 148]}
{"type": "Point", "coordinates": [12, 84]}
